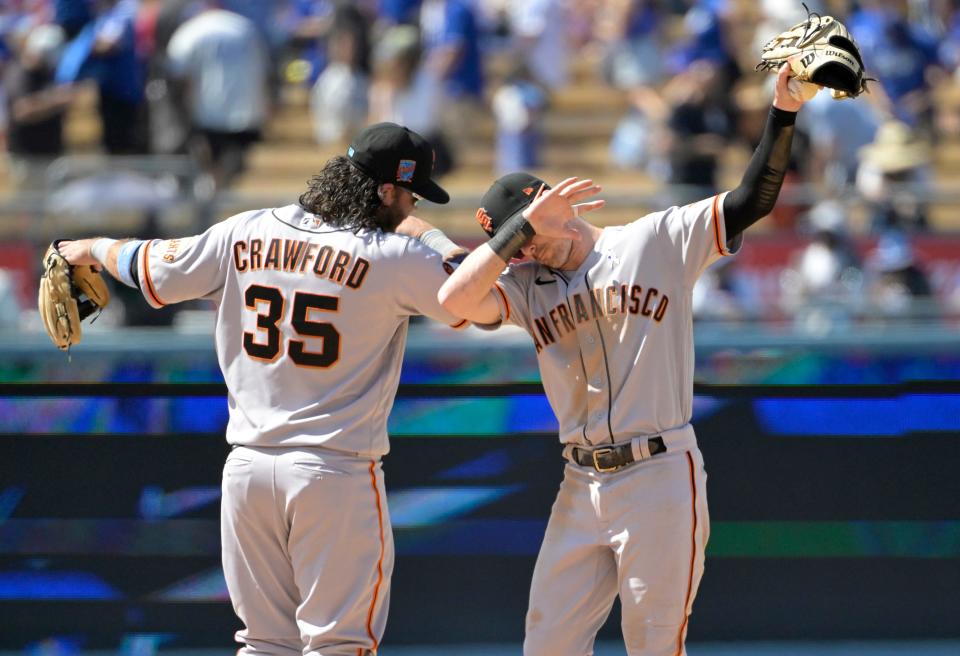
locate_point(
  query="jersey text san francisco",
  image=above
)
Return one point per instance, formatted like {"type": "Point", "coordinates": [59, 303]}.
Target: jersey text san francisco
{"type": "Point", "coordinates": [601, 301]}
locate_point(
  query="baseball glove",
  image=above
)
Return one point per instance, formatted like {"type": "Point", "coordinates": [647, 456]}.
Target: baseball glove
{"type": "Point", "coordinates": [68, 295]}
{"type": "Point", "coordinates": [820, 51]}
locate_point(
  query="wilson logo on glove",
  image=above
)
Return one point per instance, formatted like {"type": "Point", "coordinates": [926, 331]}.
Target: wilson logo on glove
{"type": "Point", "coordinates": [820, 51]}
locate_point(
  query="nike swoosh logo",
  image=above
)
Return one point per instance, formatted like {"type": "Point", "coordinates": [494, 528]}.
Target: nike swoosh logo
{"type": "Point", "coordinates": [543, 282]}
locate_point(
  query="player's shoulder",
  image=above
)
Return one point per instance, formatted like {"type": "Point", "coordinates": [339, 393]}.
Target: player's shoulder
{"type": "Point", "coordinates": [705, 207]}
{"type": "Point", "coordinates": [526, 271]}
{"type": "Point", "coordinates": [401, 247]}
{"type": "Point", "coordinates": [243, 220]}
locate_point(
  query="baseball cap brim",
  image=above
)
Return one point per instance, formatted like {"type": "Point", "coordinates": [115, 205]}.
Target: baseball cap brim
{"type": "Point", "coordinates": [430, 190]}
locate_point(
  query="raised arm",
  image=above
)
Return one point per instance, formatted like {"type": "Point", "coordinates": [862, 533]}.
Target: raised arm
{"type": "Point", "coordinates": [468, 291]}
{"type": "Point", "coordinates": [757, 193]}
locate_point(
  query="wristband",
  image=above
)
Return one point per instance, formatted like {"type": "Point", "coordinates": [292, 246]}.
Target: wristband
{"type": "Point", "coordinates": [101, 248]}
{"type": "Point", "coordinates": [515, 233]}
{"type": "Point", "coordinates": [435, 239]}
{"type": "Point", "coordinates": [782, 118]}
{"type": "Point", "coordinates": [125, 262]}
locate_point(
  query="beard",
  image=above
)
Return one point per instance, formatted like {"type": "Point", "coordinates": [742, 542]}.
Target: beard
{"type": "Point", "coordinates": [557, 255]}
{"type": "Point", "coordinates": [390, 216]}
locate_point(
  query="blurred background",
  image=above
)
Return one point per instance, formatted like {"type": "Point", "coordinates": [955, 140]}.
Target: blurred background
{"type": "Point", "coordinates": [828, 353]}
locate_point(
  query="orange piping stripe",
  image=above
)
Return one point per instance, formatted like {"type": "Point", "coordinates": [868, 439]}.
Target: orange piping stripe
{"type": "Point", "coordinates": [716, 225]}
{"type": "Point", "coordinates": [506, 303]}
{"type": "Point", "coordinates": [146, 275]}
{"type": "Point", "coordinates": [693, 556]}
{"type": "Point", "coordinates": [376, 588]}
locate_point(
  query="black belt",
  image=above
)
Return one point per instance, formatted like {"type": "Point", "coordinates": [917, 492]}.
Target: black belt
{"type": "Point", "coordinates": [612, 458]}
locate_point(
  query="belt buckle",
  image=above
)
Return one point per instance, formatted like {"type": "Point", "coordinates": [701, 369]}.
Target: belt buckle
{"type": "Point", "coordinates": [596, 464]}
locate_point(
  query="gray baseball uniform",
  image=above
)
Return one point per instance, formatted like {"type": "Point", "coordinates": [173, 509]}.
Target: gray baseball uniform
{"type": "Point", "coordinates": [310, 332]}
{"type": "Point", "coordinates": [615, 346]}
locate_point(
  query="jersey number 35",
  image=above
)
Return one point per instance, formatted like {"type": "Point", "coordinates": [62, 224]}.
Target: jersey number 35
{"type": "Point", "coordinates": [266, 345]}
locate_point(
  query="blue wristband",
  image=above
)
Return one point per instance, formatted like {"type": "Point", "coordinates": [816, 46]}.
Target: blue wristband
{"type": "Point", "coordinates": [124, 259]}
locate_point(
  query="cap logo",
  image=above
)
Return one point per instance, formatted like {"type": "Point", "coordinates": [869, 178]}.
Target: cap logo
{"type": "Point", "coordinates": [484, 220]}
{"type": "Point", "coordinates": [350, 151]}
{"type": "Point", "coordinates": [528, 190]}
{"type": "Point", "coordinates": [405, 170]}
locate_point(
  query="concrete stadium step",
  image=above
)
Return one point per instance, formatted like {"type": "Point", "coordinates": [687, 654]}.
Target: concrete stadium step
{"type": "Point", "coordinates": [465, 185]}
{"type": "Point", "coordinates": [947, 155]}
{"type": "Point", "coordinates": [598, 123]}
{"type": "Point", "coordinates": [273, 160]}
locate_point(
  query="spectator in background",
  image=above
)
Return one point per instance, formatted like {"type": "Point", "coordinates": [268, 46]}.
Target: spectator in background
{"type": "Point", "coordinates": [898, 288]}
{"type": "Point", "coordinates": [451, 41]}
{"type": "Point", "coordinates": [105, 51]}
{"type": "Point", "coordinates": [700, 118]}
{"type": "Point", "coordinates": [539, 29]}
{"type": "Point", "coordinates": [9, 303]}
{"type": "Point", "coordinates": [306, 25]}
{"type": "Point", "coordinates": [894, 177]}
{"type": "Point", "coordinates": [715, 293]}
{"type": "Point", "coordinates": [822, 286]}
{"type": "Point", "coordinates": [517, 106]}
{"type": "Point", "coordinates": [902, 56]}
{"type": "Point", "coordinates": [949, 49]}
{"type": "Point", "coordinates": [4, 117]}
{"type": "Point", "coordinates": [631, 34]}
{"type": "Point", "coordinates": [338, 103]}
{"type": "Point", "coordinates": [399, 12]}
{"type": "Point", "coordinates": [168, 126]}
{"type": "Point", "coordinates": [837, 132]}
{"type": "Point", "coordinates": [17, 17]}
{"type": "Point", "coordinates": [264, 15]}
{"type": "Point", "coordinates": [220, 62]}
{"type": "Point", "coordinates": [699, 113]}
{"type": "Point", "coordinates": [405, 92]}
{"type": "Point", "coordinates": [36, 106]}
{"type": "Point", "coordinates": [73, 15]}
{"type": "Point", "coordinates": [703, 39]}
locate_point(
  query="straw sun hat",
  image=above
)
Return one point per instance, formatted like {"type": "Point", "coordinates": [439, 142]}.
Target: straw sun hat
{"type": "Point", "coordinates": [895, 149]}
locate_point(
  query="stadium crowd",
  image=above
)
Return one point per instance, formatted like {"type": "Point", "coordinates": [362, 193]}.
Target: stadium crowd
{"type": "Point", "coordinates": [201, 79]}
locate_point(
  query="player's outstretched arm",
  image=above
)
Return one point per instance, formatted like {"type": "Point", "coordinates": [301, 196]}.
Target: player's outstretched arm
{"type": "Point", "coordinates": [757, 193]}
{"type": "Point", "coordinates": [105, 255]}
{"type": "Point", "coordinates": [432, 237]}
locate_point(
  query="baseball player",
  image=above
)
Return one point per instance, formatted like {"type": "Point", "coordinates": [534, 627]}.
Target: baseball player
{"type": "Point", "coordinates": [313, 302]}
{"type": "Point", "coordinates": [609, 312]}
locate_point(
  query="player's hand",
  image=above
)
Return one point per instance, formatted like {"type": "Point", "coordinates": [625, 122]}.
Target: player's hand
{"type": "Point", "coordinates": [789, 94]}
{"type": "Point", "coordinates": [78, 252]}
{"type": "Point", "coordinates": [554, 212]}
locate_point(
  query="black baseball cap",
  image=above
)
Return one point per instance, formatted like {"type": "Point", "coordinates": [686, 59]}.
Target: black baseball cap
{"type": "Point", "coordinates": [388, 152]}
{"type": "Point", "coordinates": [506, 197]}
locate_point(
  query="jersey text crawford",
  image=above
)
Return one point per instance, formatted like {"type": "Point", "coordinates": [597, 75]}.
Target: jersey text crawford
{"type": "Point", "coordinates": [295, 256]}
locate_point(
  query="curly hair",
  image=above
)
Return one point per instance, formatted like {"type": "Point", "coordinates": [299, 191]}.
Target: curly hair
{"type": "Point", "coordinates": [345, 197]}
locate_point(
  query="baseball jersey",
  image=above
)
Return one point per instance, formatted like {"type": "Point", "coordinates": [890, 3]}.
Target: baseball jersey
{"type": "Point", "coordinates": [614, 338]}
{"type": "Point", "coordinates": [311, 321]}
